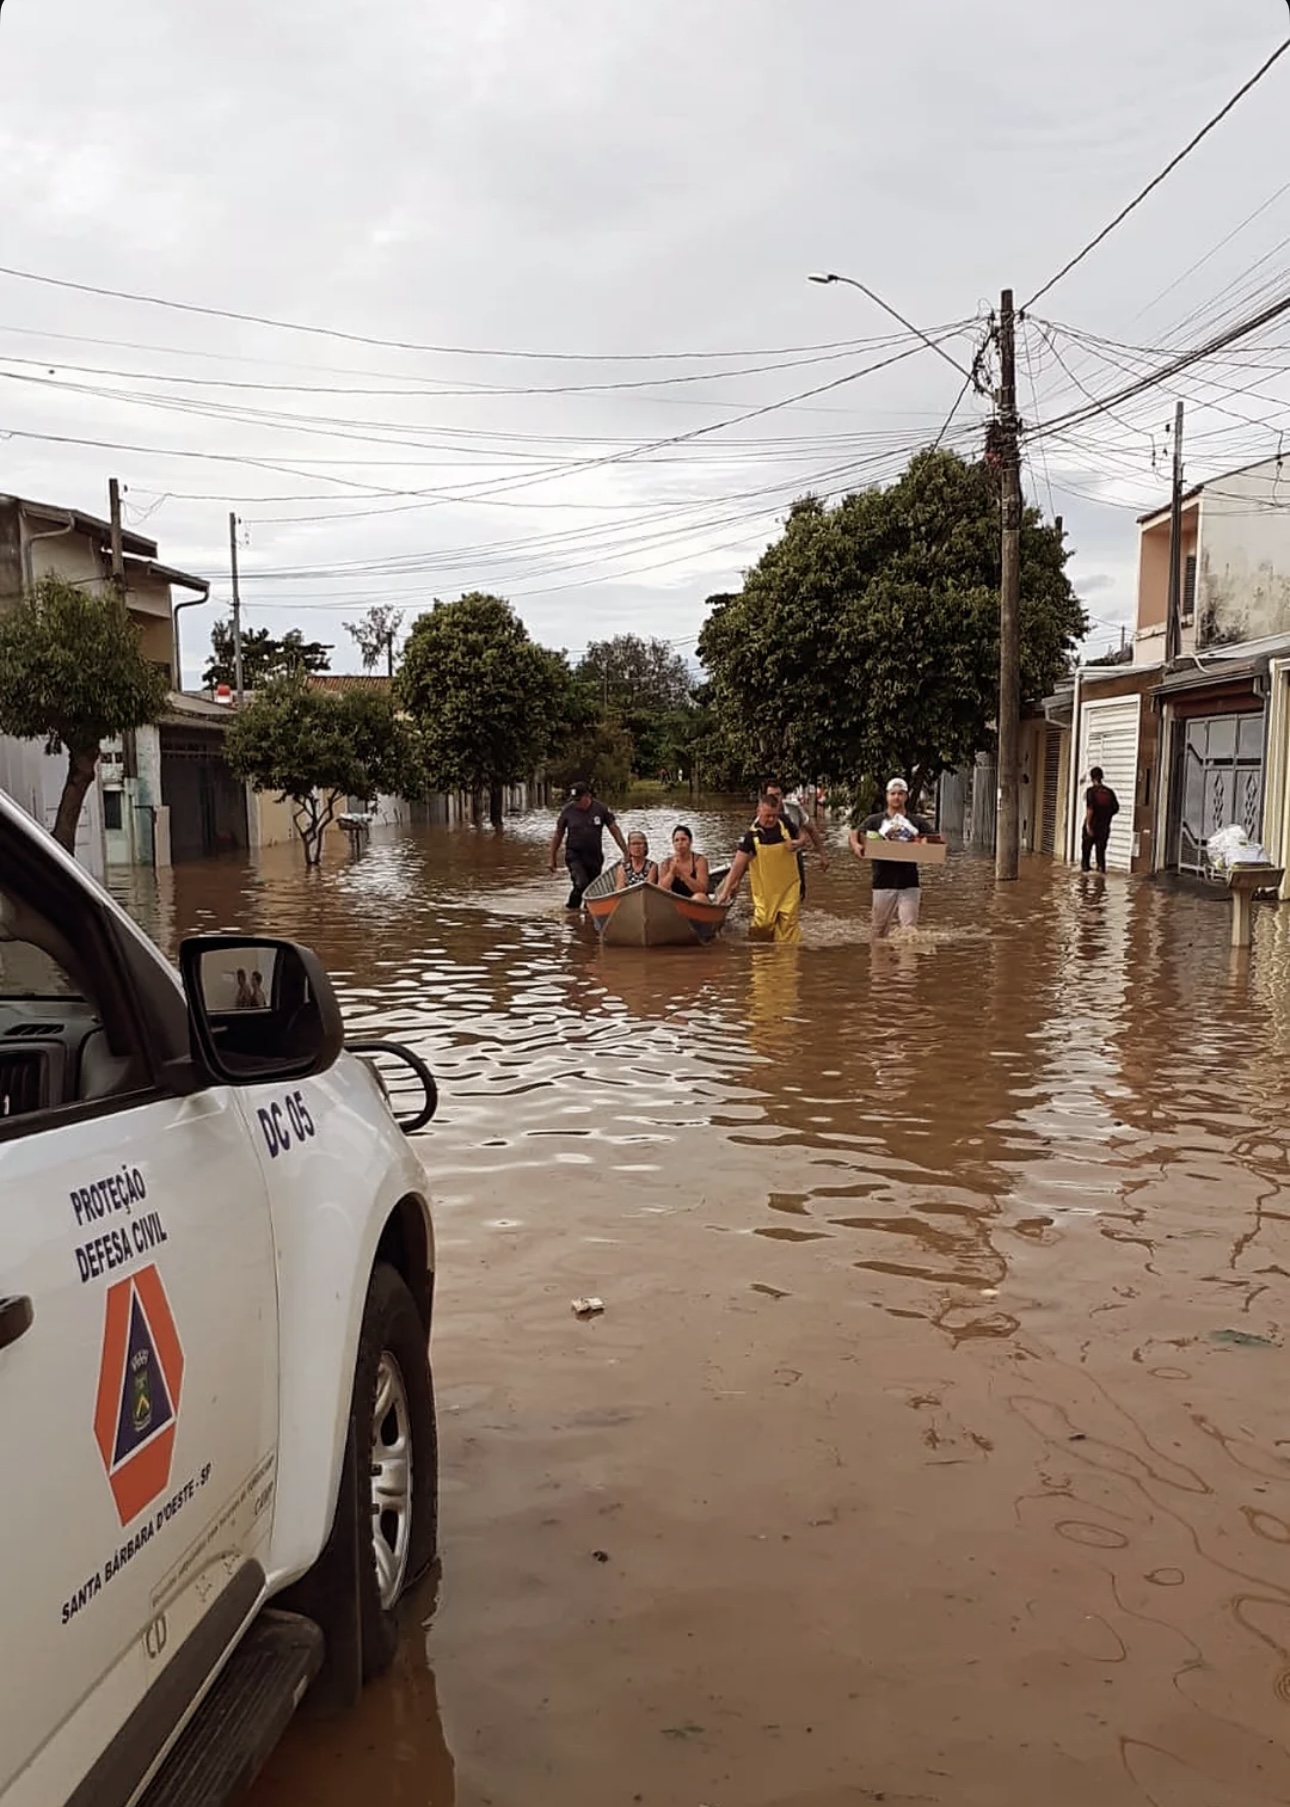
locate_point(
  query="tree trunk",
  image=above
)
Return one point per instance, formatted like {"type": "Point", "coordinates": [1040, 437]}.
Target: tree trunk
{"type": "Point", "coordinates": [476, 807]}
{"type": "Point", "coordinates": [312, 821]}
{"type": "Point", "coordinates": [495, 797]}
{"type": "Point", "coordinates": [81, 768]}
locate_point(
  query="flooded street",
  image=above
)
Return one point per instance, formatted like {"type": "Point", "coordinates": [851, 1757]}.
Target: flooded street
{"type": "Point", "coordinates": [933, 1446]}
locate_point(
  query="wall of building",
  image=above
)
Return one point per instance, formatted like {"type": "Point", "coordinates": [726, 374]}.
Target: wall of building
{"type": "Point", "coordinates": [34, 779]}
{"type": "Point", "coordinates": [67, 555]}
{"type": "Point", "coordinates": [269, 819]}
{"type": "Point", "coordinates": [76, 559]}
{"type": "Point", "coordinates": [1243, 581]}
{"type": "Point", "coordinates": [1276, 783]}
{"type": "Point", "coordinates": [1153, 587]}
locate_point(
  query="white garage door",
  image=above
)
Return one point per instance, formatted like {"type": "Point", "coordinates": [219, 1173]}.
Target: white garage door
{"type": "Point", "coordinates": [1109, 738]}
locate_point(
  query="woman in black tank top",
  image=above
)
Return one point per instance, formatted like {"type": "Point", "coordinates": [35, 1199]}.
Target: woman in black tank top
{"type": "Point", "coordinates": [684, 871]}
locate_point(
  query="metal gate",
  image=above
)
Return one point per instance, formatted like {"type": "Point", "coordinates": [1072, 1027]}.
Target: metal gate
{"type": "Point", "coordinates": [1221, 782]}
{"type": "Point", "coordinates": [1052, 772]}
{"type": "Point", "coordinates": [207, 804]}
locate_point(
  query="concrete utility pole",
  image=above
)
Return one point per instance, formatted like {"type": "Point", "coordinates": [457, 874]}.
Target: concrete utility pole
{"type": "Point", "coordinates": [1173, 615]}
{"type": "Point", "coordinates": [1008, 834]}
{"type": "Point", "coordinates": [118, 555]}
{"type": "Point", "coordinates": [237, 613]}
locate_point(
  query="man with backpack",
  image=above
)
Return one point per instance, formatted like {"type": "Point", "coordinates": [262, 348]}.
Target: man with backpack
{"type": "Point", "coordinates": [1101, 805]}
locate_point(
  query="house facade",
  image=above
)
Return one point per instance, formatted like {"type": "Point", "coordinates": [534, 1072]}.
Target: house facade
{"type": "Point", "coordinates": [1203, 740]}
{"type": "Point", "coordinates": [142, 780]}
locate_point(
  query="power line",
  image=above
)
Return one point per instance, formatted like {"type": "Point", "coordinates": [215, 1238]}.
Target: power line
{"type": "Point", "coordinates": [1213, 251]}
{"type": "Point", "coordinates": [460, 351]}
{"type": "Point", "coordinates": [502, 485]}
{"type": "Point", "coordinates": [464, 391]}
{"type": "Point", "coordinates": [1174, 368]}
{"type": "Point", "coordinates": [1034, 392]}
{"type": "Point", "coordinates": [1167, 171]}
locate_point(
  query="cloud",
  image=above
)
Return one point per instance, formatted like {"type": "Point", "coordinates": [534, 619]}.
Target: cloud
{"type": "Point", "coordinates": [597, 178]}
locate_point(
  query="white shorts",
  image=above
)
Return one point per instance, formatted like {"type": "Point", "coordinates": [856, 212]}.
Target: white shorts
{"type": "Point", "coordinates": [888, 906]}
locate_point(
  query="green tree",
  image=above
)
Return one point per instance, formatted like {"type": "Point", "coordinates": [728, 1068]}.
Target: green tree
{"type": "Point", "coordinates": [646, 686]}
{"type": "Point", "coordinates": [375, 635]}
{"type": "Point", "coordinates": [264, 656]}
{"type": "Point", "coordinates": [713, 761]}
{"type": "Point", "coordinates": [315, 748]}
{"type": "Point", "coordinates": [73, 674]}
{"type": "Point", "coordinates": [485, 699]}
{"type": "Point", "coordinates": [866, 639]}
{"type": "Point", "coordinates": [600, 754]}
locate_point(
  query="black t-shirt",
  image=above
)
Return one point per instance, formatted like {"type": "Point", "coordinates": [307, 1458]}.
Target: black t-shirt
{"type": "Point", "coordinates": [1102, 801]}
{"type": "Point", "coordinates": [765, 837]}
{"type": "Point", "coordinates": [585, 829]}
{"type": "Point", "coordinates": [893, 875]}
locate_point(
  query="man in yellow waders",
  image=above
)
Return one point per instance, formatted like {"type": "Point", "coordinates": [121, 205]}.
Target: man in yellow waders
{"type": "Point", "coordinates": [769, 851]}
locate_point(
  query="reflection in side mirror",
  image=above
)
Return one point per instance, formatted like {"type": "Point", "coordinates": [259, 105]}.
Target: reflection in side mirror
{"type": "Point", "coordinates": [259, 1010]}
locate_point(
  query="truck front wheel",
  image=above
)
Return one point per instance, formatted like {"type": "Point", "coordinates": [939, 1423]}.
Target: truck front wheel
{"type": "Point", "coordinates": [398, 1461]}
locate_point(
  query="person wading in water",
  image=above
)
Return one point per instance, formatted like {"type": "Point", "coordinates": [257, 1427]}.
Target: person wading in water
{"type": "Point", "coordinates": [584, 821]}
{"type": "Point", "coordinates": [684, 871]}
{"type": "Point", "coordinates": [769, 850]}
{"type": "Point", "coordinates": [801, 824]}
{"type": "Point", "coordinates": [896, 892]}
{"type": "Point", "coordinates": [1101, 806]}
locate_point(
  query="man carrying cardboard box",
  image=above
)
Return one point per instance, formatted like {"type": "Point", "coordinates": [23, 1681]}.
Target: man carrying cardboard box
{"type": "Point", "coordinates": [896, 891]}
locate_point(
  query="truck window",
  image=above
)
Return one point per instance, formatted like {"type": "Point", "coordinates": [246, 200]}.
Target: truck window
{"type": "Point", "coordinates": [66, 1044]}
{"type": "Point", "coordinates": [28, 972]}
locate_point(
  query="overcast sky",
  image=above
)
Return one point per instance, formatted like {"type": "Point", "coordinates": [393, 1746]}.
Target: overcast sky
{"type": "Point", "coordinates": [611, 182]}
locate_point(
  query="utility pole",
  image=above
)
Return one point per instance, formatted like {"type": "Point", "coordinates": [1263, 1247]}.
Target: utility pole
{"type": "Point", "coordinates": [118, 555]}
{"type": "Point", "coordinates": [1008, 832]}
{"type": "Point", "coordinates": [1173, 607]}
{"type": "Point", "coordinates": [237, 613]}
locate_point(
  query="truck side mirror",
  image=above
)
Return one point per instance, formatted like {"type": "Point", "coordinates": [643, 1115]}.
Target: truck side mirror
{"type": "Point", "coordinates": [259, 1010]}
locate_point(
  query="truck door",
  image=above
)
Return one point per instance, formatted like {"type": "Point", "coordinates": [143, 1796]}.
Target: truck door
{"type": "Point", "coordinates": [138, 1353]}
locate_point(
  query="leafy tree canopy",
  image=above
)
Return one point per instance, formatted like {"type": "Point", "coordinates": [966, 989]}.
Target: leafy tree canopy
{"type": "Point", "coordinates": [632, 675]}
{"type": "Point", "coordinates": [866, 639]}
{"type": "Point", "coordinates": [485, 699]}
{"type": "Point", "coordinates": [264, 656]}
{"type": "Point", "coordinates": [599, 753]}
{"type": "Point", "coordinates": [318, 747]}
{"type": "Point", "coordinates": [73, 674]}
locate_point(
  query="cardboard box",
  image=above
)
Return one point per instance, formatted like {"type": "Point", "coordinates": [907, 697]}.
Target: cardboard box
{"type": "Point", "coordinates": [920, 853]}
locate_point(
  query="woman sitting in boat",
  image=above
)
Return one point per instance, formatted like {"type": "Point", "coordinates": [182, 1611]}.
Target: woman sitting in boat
{"type": "Point", "coordinates": [638, 868]}
{"type": "Point", "coordinates": [684, 871]}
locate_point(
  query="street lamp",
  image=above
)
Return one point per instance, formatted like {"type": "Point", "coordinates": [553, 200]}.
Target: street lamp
{"type": "Point", "coordinates": [826, 277]}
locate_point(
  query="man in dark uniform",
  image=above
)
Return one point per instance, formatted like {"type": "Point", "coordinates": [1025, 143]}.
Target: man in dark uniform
{"type": "Point", "coordinates": [1101, 805]}
{"type": "Point", "coordinates": [584, 822]}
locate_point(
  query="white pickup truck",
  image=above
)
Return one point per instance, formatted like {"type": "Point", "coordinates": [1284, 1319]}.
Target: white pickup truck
{"type": "Point", "coordinates": [217, 1434]}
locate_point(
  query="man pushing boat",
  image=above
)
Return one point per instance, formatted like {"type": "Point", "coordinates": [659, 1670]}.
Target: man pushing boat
{"type": "Point", "coordinates": [769, 852]}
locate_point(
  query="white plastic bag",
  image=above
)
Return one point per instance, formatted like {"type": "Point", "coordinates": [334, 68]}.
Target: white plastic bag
{"type": "Point", "coordinates": [1232, 846]}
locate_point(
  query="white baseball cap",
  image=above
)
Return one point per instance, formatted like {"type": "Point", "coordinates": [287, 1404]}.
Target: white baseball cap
{"type": "Point", "coordinates": [897, 784]}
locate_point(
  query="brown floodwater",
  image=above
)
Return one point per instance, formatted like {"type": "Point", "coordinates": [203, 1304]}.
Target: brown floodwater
{"type": "Point", "coordinates": [933, 1446]}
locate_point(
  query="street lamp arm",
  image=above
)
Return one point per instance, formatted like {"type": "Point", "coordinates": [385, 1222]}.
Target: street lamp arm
{"type": "Point", "coordinates": [829, 276]}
